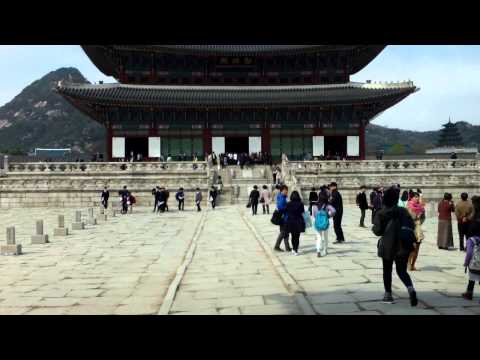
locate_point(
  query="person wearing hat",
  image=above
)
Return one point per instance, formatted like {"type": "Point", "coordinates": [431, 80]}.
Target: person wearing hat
{"type": "Point", "coordinates": [337, 202]}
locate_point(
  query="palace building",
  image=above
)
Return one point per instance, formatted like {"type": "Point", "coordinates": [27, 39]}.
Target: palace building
{"type": "Point", "coordinates": [194, 99]}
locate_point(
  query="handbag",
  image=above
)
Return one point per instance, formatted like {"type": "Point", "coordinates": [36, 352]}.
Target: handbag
{"type": "Point", "coordinates": [277, 218]}
{"type": "Point", "coordinates": [249, 205]}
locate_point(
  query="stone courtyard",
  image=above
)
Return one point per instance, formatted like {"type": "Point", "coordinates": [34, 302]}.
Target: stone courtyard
{"type": "Point", "coordinates": [214, 263]}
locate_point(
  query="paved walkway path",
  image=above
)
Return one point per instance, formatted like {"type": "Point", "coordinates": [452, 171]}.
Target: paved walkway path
{"type": "Point", "coordinates": [219, 262]}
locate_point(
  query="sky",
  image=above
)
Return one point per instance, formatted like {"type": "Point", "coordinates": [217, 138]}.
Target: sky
{"type": "Point", "coordinates": [448, 78]}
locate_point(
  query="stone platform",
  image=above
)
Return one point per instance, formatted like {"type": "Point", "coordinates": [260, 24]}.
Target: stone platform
{"type": "Point", "coordinates": [215, 262]}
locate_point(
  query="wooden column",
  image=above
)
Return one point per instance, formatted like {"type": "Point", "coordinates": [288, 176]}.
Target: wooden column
{"type": "Point", "coordinates": [362, 142]}
{"type": "Point", "coordinates": [109, 153]}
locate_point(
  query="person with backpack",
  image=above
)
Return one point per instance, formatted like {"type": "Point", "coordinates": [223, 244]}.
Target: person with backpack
{"type": "Point", "coordinates": [254, 199]}
{"type": "Point", "coordinates": [322, 213]}
{"type": "Point", "coordinates": [362, 203]}
{"type": "Point", "coordinates": [396, 228]}
{"type": "Point", "coordinates": [313, 199]}
{"type": "Point", "coordinates": [472, 259]}
{"type": "Point", "coordinates": [180, 197]}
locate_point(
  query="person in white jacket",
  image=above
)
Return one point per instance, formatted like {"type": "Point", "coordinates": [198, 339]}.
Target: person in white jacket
{"type": "Point", "coordinates": [322, 223]}
{"type": "Point", "coordinates": [266, 199]}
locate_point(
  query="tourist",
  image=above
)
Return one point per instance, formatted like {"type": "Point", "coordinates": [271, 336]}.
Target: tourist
{"type": "Point", "coordinates": [275, 193]}
{"type": "Point", "coordinates": [464, 213]}
{"type": "Point", "coordinates": [322, 213]}
{"type": "Point", "coordinates": [403, 202]}
{"type": "Point", "coordinates": [124, 195]}
{"type": "Point", "coordinates": [337, 202]}
{"type": "Point", "coordinates": [219, 185]}
{"type": "Point", "coordinates": [105, 197]}
{"type": "Point", "coordinates": [161, 200]}
{"type": "Point", "coordinates": [391, 246]}
{"type": "Point", "coordinates": [131, 201]}
{"type": "Point", "coordinates": [275, 173]}
{"type": "Point", "coordinates": [295, 223]}
{"type": "Point", "coordinates": [472, 259]}
{"type": "Point", "coordinates": [254, 199]}
{"type": "Point", "coordinates": [362, 203]}
{"type": "Point", "coordinates": [266, 199]}
{"type": "Point", "coordinates": [376, 201]}
{"type": "Point", "coordinates": [445, 233]}
{"type": "Point", "coordinates": [312, 199]}
{"type": "Point", "coordinates": [198, 199]}
{"type": "Point", "coordinates": [213, 197]}
{"type": "Point", "coordinates": [180, 197]}
{"type": "Point", "coordinates": [281, 201]}
{"type": "Point", "coordinates": [417, 212]}
{"type": "Point", "coordinates": [167, 196]}
{"type": "Point", "coordinates": [155, 197]}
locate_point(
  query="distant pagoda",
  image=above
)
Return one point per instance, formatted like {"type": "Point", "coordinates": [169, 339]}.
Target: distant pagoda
{"type": "Point", "coordinates": [450, 136]}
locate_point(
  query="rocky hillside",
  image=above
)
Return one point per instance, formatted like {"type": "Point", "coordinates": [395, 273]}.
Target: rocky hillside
{"type": "Point", "coordinates": [39, 117]}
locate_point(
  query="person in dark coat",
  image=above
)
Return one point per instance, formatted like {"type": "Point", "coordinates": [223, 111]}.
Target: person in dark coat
{"type": "Point", "coordinates": [281, 202]}
{"type": "Point", "coordinates": [155, 197]}
{"type": "Point", "coordinates": [167, 196]}
{"type": "Point", "coordinates": [387, 225]}
{"type": "Point", "coordinates": [376, 201]}
{"type": "Point", "coordinates": [254, 199]}
{"type": "Point", "coordinates": [337, 202]}
{"type": "Point", "coordinates": [312, 199]}
{"type": "Point", "coordinates": [105, 197]}
{"type": "Point", "coordinates": [295, 223]}
{"type": "Point", "coordinates": [180, 197]}
{"type": "Point", "coordinates": [124, 195]}
{"type": "Point", "coordinates": [213, 197]}
{"type": "Point", "coordinates": [161, 200]}
{"type": "Point", "coordinates": [362, 203]}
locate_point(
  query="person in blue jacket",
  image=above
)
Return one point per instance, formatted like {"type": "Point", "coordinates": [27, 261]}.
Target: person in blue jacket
{"type": "Point", "coordinates": [282, 207]}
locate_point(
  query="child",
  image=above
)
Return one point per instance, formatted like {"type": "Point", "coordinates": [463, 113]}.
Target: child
{"type": "Point", "coordinates": [472, 259]}
{"type": "Point", "coordinates": [322, 213]}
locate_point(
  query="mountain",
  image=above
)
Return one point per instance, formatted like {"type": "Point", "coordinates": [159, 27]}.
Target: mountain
{"type": "Point", "coordinates": [39, 117]}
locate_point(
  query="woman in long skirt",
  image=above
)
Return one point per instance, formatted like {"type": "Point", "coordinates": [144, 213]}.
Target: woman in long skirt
{"type": "Point", "coordinates": [445, 231]}
{"type": "Point", "coordinates": [417, 212]}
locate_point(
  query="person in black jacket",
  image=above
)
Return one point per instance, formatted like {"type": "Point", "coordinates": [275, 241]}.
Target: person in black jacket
{"type": "Point", "coordinates": [387, 224]}
{"type": "Point", "coordinates": [295, 223]}
{"type": "Point", "coordinates": [337, 202]}
{"type": "Point", "coordinates": [155, 197]}
{"type": "Point", "coordinates": [180, 196]}
{"type": "Point", "coordinates": [362, 203]}
{"type": "Point", "coordinates": [254, 198]}
{"type": "Point", "coordinates": [213, 197]}
{"type": "Point", "coordinates": [313, 199]}
{"type": "Point", "coordinates": [105, 197]}
{"type": "Point", "coordinates": [125, 195]}
{"type": "Point", "coordinates": [161, 198]}
{"type": "Point", "coordinates": [167, 196]}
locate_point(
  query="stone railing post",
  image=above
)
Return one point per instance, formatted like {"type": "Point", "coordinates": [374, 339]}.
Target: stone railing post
{"type": "Point", "coordinates": [39, 237]}
{"type": "Point", "coordinates": [5, 165]}
{"type": "Point", "coordinates": [61, 230]}
{"type": "Point", "coordinates": [12, 248]}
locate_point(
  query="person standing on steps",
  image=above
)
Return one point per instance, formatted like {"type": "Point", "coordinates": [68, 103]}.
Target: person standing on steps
{"type": "Point", "coordinates": [295, 222]}
{"type": "Point", "coordinates": [337, 202]}
{"type": "Point", "coordinates": [417, 212]}
{"type": "Point", "coordinates": [254, 199]}
{"type": "Point", "coordinates": [362, 203]}
{"type": "Point", "coordinates": [445, 232]}
{"type": "Point", "coordinates": [396, 228]}
{"type": "Point", "coordinates": [322, 213]}
{"type": "Point", "coordinates": [180, 197]}
{"type": "Point", "coordinates": [213, 197]}
{"type": "Point", "coordinates": [105, 197]}
{"type": "Point", "coordinates": [312, 199]}
{"type": "Point", "coordinates": [464, 214]}
{"type": "Point", "coordinates": [281, 208]}
{"type": "Point", "coordinates": [198, 199]}
{"type": "Point", "coordinates": [266, 199]}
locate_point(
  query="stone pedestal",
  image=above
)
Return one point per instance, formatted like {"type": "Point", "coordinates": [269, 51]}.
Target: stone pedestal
{"type": "Point", "coordinates": [11, 249]}
{"type": "Point", "coordinates": [39, 238]}
{"type": "Point", "coordinates": [78, 224]}
{"type": "Point", "coordinates": [102, 217]}
{"type": "Point", "coordinates": [92, 221]}
{"type": "Point", "coordinates": [61, 230]}
{"type": "Point", "coordinates": [11, 236]}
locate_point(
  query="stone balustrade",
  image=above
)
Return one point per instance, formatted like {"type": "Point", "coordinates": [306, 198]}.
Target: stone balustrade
{"type": "Point", "coordinates": [104, 168]}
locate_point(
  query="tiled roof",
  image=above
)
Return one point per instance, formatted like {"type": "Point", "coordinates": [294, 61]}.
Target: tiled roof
{"type": "Point", "coordinates": [136, 95]}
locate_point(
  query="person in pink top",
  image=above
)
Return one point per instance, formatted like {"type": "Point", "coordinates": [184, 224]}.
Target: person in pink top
{"type": "Point", "coordinates": [417, 212]}
{"type": "Point", "coordinates": [265, 199]}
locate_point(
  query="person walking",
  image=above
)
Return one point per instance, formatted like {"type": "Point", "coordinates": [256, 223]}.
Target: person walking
{"type": "Point", "coordinates": [266, 200]}
{"type": "Point", "coordinates": [295, 222]}
{"type": "Point", "coordinates": [445, 232]}
{"type": "Point", "coordinates": [180, 197]}
{"type": "Point", "coordinates": [464, 213]}
{"type": "Point", "coordinates": [213, 197]}
{"type": "Point", "coordinates": [155, 197]}
{"type": "Point", "coordinates": [389, 222]}
{"type": "Point", "coordinates": [254, 199]}
{"type": "Point", "coordinates": [417, 212]}
{"type": "Point", "coordinates": [376, 201]}
{"type": "Point", "coordinates": [167, 196]}
{"type": "Point", "coordinates": [198, 199]}
{"type": "Point", "coordinates": [131, 201]}
{"type": "Point", "coordinates": [124, 196]}
{"type": "Point", "coordinates": [322, 213]}
{"type": "Point", "coordinates": [403, 202]}
{"type": "Point", "coordinates": [104, 198]}
{"type": "Point", "coordinates": [281, 202]}
{"type": "Point", "coordinates": [161, 200]}
{"type": "Point", "coordinates": [362, 203]}
{"type": "Point", "coordinates": [472, 259]}
{"type": "Point", "coordinates": [275, 173]}
{"type": "Point", "coordinates": [337, 202]}
{"type": "Point", "coordinates": [312, 199]}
